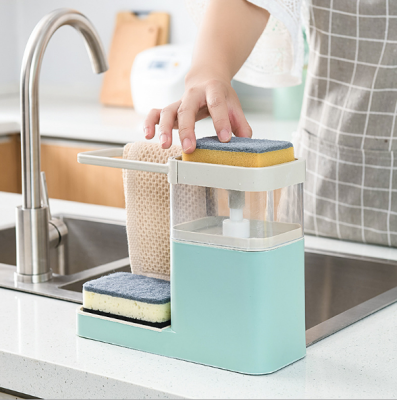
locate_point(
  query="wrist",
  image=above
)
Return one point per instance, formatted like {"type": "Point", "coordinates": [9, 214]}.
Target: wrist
{"type": "Point", "coordinates": [201, 73]}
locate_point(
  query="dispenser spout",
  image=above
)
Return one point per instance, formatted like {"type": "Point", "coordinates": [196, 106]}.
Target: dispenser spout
{"type": "Point", "coordinates": [236, 226]}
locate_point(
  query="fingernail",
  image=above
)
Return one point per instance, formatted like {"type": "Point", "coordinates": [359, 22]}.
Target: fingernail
{"type": "Point", "coordinates": [225, 135]}
{"type": "Point", "coordinates": [186, 144]}
{"type": "Point", "coordinates": [163, 138]}
{"type": "Point", "coordinates": [146, 132]}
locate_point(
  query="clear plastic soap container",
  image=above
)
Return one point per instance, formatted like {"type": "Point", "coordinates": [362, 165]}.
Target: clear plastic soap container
{"type": "Point", "coordinates": [248, 220]}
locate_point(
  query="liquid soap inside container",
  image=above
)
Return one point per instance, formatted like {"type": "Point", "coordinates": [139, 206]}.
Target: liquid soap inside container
{"type": "Point", "coordinates": [247, 221]}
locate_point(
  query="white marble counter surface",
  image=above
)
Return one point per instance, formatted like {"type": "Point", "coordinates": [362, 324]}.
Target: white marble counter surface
{"type": "Point", "coordinates": [41, 355]}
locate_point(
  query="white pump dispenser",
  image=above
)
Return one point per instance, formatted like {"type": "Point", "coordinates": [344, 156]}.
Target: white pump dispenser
{"type": "Point", "coordinates": [236, 226]}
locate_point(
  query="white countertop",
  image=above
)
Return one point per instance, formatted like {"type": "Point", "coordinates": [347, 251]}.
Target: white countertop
{"type": "Point", "coordinates": [41, 355]}
{"type": "Point", "coordinates": [88, 120]}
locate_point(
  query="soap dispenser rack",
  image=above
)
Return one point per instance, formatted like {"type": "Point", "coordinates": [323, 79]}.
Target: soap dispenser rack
{"type": "Point", "coordinates": [237, 303]}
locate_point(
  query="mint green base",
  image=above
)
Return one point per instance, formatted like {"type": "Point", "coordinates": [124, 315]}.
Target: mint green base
{"type": "Point", "coordinates": [240, 311]}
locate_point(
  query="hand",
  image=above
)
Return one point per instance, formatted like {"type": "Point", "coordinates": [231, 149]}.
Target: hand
{"type": "Point", "coordinates": [222, 46]}
{"type": "Point", "coordinates": [203, 97]}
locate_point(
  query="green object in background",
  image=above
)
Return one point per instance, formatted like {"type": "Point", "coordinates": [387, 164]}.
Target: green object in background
{"type": "Point", "coordinates": [287, 101]}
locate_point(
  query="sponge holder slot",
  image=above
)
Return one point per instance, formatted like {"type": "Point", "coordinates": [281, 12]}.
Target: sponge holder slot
{"type": "Point", "coordinates": [81, 311]}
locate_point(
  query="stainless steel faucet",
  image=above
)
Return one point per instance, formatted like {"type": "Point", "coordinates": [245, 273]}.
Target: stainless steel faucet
{"type": "Point", "coordinates": [36, 230]}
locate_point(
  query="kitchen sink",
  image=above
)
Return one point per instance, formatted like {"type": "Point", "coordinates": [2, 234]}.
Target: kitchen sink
{"type": "Point", "coordinates": [8, 253]}
{"type": "Point", "coordinates": [90, 243]}
{"type": "Point", "coordinates": [94, 248]}
{"type": "Point", "coordinates": [340, 289]}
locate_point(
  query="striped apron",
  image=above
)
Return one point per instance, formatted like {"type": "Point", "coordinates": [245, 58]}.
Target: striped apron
{"type": "Point", "coordinates": [348, 129]}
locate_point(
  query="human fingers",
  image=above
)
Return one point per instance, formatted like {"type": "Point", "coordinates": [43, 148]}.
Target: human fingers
{"type": "Point", "coordinates": [201, 114]}
{"type": "Point", "coordinates": [239, 123]}
{"type": "Point", "coordinates": [168, 116]}
{"type": "Point", "coordinates": [186, 121]}
{"type": "Point", "coordinates": [218, 109]}
{"type": "Point", "coordinates": [149, 126]}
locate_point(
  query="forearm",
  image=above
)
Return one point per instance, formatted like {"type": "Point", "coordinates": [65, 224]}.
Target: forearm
{"type": "Point", "coordinates": [227, 35]}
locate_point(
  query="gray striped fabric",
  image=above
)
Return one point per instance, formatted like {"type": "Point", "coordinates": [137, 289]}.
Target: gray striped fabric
{"type": "Point", "coordinates": [348, 130]}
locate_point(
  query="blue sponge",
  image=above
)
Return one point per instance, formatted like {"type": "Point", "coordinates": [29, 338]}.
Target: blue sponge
{"type": "Point", "coordinates": [245, 145]}
{"type": "Point", "coordinates": [241, 152]}
{"type": "Point", "coordinates": [131, 287]}
{"type": "Point", "coordinates": [133, 298]}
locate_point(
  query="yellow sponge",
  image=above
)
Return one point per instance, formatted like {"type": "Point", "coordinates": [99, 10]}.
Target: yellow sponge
{"type": "Point", "coordinates": [241, 152]}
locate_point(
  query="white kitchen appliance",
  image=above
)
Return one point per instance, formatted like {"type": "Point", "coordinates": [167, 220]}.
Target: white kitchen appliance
{"type": "Point", "coordinates": [158, 76]}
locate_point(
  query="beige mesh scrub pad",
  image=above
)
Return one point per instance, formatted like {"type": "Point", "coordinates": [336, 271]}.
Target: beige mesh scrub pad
{"type": "Point", "coordinates": [147, 196]}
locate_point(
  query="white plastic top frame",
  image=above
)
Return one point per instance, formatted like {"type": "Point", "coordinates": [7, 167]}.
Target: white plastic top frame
{"type": "Point", "coordinates": [206, 175]}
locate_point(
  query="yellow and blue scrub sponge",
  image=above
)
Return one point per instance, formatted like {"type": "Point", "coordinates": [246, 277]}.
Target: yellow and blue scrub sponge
{"type": "Point", "coordinates": [129, 297]}
{"type": "Point", "coordinates": [241, 152]}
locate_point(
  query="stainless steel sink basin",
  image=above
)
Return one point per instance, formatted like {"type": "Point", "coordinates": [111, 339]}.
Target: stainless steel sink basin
{"type": "Point", "coordinates": [340, 289]}
{"type": "Point", "coordinates": [8, 246]}
{"type": "Point", "coordinates": [94, 248]}
{"type": "Point", "coordinates": [90, 243]}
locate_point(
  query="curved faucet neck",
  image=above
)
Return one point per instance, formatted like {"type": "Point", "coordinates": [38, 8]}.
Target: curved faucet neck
{"type": "Point", "coordinates": [30, 73]}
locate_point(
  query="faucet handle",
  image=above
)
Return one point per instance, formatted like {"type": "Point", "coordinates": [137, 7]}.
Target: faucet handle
{"type": "Point", "coordinates": [44, 194]}
{"type": "Point", "coordinates": [58, 231]}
